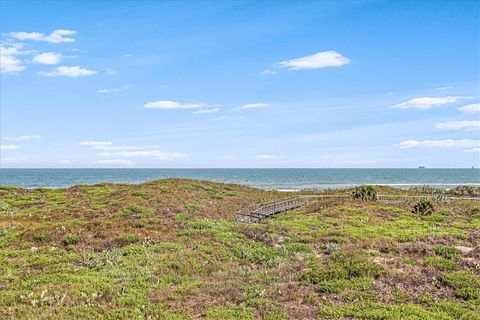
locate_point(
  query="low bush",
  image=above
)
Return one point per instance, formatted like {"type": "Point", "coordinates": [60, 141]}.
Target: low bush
{"type": "Point", "coordinates": [365, 193]}
{"type": "Point", "coordinates": [447, 251]}
{"type": "Point", "coordinates": [466, 285]}
{"type": "Point", "coordinates": [423, 207]}
{"type": "Point", "coordinates": [43, 237]}
{"type": "Point", "coordinates": [71, 239]}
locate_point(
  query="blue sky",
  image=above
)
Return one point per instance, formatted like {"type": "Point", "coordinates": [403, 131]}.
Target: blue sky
{"type": "Point", "coordinates": [240, 84]}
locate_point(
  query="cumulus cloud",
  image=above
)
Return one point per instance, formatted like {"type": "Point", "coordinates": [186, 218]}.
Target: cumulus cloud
{"type": "Point", "coordinates": [23, 138]}
{"type": "Point", "coordinates": [447, 143]}
{"type": "Point", "coordinates": [267, 157]}
{"type": "Point", "coordinates": [114, 90]}
{"type": "Point", "coordinates": [50, 58]}
{"type": "Point", "coordinates": [171, 105]}
{"type": "Point", "coordinates": [212, 110]}
{"type": "Point", "coordinates": [114, 162]}
{"type": "Point", "coordinates": [57, 36]}
{"type": "Point", "coordinates": [254, 106]}
{"type": "Point", "coordinates": [9, 147]}
{"type": "Point", "coordinates": [9, 62]}
{"type": "Point", "coordinates": [72, 72]}
{"type": "Point", "coordinates": [459, 125]}
{"type": "Point", "coordinates": [322, 59]}
{"type": "Point", "coordinates": [471, 108]}
{"type": "Point", "coordinates": [425, 103]}
{"type": "Point", "coordinates": [95, 143]}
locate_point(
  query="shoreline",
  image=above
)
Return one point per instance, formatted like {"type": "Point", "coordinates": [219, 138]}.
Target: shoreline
{"type": "Point", "coordinates": [315, 188]}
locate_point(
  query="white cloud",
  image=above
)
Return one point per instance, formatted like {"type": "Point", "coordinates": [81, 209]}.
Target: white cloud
{"type": "Point", "coordinates": [268, 71]}
{"type": "Point", "coordinates": [323, 59]}
{"type": "Point", "coordinates": [22, 138]}
{"type": "Point", "coordinates": [267, 157]}
{"type": "Point", "coordinates": [167, 104]}
{"type": "Point", "coordinates": [425, 103]}
{"type": "Point", "coordinates": [127, 55]}
{"type": "Point", "coordinates": [48, 58]}
{"type": "Point", "coordinates": [212, 110]}
{"type": "Point", "coordinates": [459, 125]}
{"type": "Point", "coordinates": [254, 106]}
{"type": "Point", "coordinates": [112, 72]}
{"type": "Point", "coordinates": [155, 154]}
{"type": "Point", "coordinates": [115, 90]}
{"type": "Point", "coordinates": [95, 143]}
{"type": "Point", "coordinates": [78, 50]}
{"type": "Point", "coordinates": [57, 36]}
{"type": "Point", "coordinates": [228, 118]}
{"type": "Point", "coordinates": [9, 63]}
{"type": "Point", "coordinates": [444, 88]}
{"type": "Point", "coordinates": [65, 162]}
{"type": "Point", "coordinates": [9, 147]}
{"type": "Point", "coordinates": [72, 72]}
{"type": "Point", "coordinates": [114, 162]}
{"type": "Point", "coordinates": [121, 148]}
{"type": "Point", "coordinates": [447, 143]}
{"type": "Point", "coordinates": [477, 149]}
{"type": "Point", "coordinates": [471, 108]}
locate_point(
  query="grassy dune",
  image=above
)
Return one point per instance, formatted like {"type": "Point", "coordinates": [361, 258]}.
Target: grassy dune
{"type": "Point", "coordinates": [171, 249]}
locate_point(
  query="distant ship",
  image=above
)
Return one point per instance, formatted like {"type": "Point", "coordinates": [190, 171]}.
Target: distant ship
{"type": "Point", "coordinates": [421, 167]}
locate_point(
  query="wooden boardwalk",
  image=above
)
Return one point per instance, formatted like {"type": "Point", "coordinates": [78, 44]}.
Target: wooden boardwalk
{"type": "Point", "coordinates": [257, 213]}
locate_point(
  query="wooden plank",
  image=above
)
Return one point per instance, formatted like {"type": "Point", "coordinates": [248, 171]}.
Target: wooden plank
{"type": "Point", "coordinates": [268, 209]}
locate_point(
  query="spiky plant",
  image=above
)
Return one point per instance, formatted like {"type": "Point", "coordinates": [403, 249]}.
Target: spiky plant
{"type": "Point", "coordinates": [364, 193]}
{"type": "Point", "coordinates": [423, 208]}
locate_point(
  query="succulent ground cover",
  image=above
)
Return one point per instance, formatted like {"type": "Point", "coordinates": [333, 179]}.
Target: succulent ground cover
{"type": "Point", "coordinates": [171, 249]}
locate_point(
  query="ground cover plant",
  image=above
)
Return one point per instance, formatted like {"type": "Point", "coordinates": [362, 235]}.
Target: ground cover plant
{"type": "Point", "coordinates": [172, 249]}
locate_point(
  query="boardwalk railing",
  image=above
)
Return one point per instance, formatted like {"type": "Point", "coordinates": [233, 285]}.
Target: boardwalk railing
{"type": "Point", "coordinates": [259, 212]}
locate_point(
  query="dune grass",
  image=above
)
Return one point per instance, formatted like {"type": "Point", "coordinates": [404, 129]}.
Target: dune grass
{"type": "Point", "coordinates": [171, 249]}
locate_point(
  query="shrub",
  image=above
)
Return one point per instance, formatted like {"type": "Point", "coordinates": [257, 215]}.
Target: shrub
{"type": "Point", "coordinates": [71, 239]}
{"type": "Point", "coordinates": [365, 193]}
{"type": "Point", "coordinates": [43, 237]}
{"type": "Point", "coordinates": [339, 269]}
{"type": "Point", "coordinates": [447, 251]}
{"type": "Point", "coordinates": [465, 191]}
{"type": "Point", "coordinates": [134, 210]}
{"type": "Point", "coordinates": [423, 207]}
{"type": "Point", "coordinates": [441, 263]}
{"type": "Point", "coordinates": [4, 206]}
{"type": "Point", "coordinates": [427, 189]}
{"type": "Point", "coordinates": [128, 238]}
{"type": "Point", "coordinates": [466, 285]}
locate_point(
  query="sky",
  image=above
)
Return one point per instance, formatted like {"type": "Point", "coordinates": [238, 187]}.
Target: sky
{"type": "Point", "coordinates": [240, 84]}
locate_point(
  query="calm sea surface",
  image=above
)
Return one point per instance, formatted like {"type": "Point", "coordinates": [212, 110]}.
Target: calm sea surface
{"type": "Point", "coordinates": [283, 179]}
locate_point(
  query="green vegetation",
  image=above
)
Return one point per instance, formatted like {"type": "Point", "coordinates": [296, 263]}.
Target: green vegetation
{"type": "Point", "coordinates": [423, 207]}
{"type": "Point", "coordinates": [365, 193]}
{"type": "Point", "coordinates": [172, 249]}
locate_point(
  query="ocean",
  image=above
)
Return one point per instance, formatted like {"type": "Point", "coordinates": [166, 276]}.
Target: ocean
{"type": "Point", "coordinates": [280, 179]}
